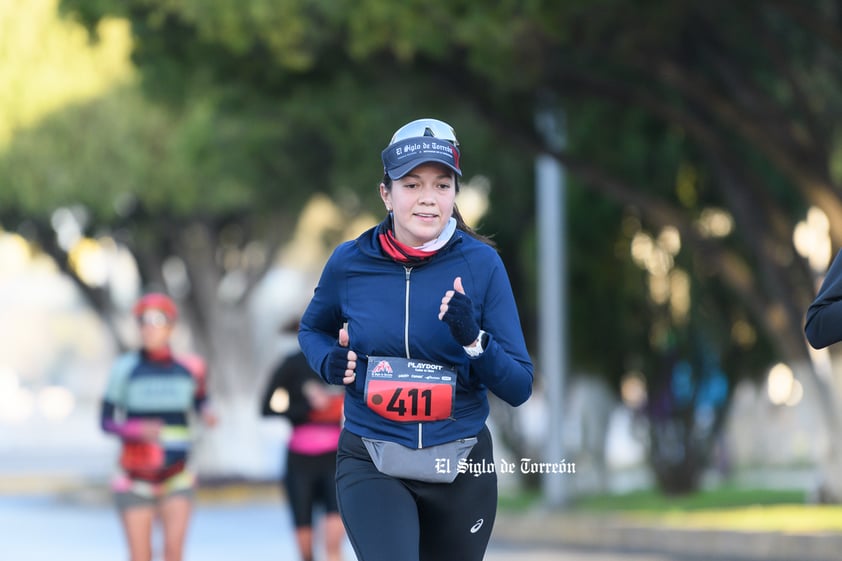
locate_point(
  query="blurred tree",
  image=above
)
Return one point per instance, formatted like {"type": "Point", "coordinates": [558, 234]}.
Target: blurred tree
{"type": "Point", "coordinates": [159, 183]}
{"type": "Point", "coordinates": [91, 168]}
{"type": "Point", "coordinates": [710, 121]}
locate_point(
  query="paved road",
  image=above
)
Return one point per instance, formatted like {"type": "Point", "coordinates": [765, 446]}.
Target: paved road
{"type": "Point", "coordinates": [42, 528]}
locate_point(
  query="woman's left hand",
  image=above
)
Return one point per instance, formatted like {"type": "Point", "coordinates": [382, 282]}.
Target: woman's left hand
{"type": "Point", "coordinates": [457, 311]}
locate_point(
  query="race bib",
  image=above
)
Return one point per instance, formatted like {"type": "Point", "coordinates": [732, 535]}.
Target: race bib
{"type": "Point", "coordinates": [142, 456]}
{"type": "Point", "coordinates": [401, 389]}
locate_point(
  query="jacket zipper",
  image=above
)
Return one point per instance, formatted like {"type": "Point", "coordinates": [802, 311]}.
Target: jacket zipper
{"type": "Point", "coordinates": [406, 339]}
{"type": "Point", "coordinates": [406, 315]}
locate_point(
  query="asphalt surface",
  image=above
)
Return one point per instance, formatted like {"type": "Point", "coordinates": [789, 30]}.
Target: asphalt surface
{"type": "Point", "coordinates": [43, 520]}
{"type": "Point", "coordinates": [229, 523]}
{"type": "Point", "coordinates": [46, 528]}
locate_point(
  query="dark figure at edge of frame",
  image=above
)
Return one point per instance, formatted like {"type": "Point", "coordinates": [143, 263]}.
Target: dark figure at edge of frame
{"type": "Point", "coordinates": [824, 316]}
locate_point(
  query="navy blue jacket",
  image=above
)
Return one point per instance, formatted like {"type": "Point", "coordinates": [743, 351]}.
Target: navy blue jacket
{"type": "Point", "coordinates": [392, 310]}
{"type": "Point", "coordinates": [824, 316]}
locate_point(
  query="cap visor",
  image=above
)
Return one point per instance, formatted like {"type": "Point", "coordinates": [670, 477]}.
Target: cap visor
{"type": "Point", "coordinates": [404, 169]}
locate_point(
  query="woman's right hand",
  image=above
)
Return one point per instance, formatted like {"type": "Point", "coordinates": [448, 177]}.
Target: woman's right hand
{"type": "Point", "coordinates": [341, 362]}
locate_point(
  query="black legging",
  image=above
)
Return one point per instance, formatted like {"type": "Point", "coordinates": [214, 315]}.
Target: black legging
{"type": "Point", "coordinates": [310, 480]}
{"type": "Point", "coordinates": [390, 519]}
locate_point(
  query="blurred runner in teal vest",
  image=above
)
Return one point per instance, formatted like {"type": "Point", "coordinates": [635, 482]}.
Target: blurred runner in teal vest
{"type": "Point", "coordinates": [149, 401]}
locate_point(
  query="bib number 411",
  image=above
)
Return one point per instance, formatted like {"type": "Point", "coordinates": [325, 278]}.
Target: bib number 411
{"type": "Point", "coordinates": [397, 403]}
{"type": "Point", "coordinates": [410, 401]}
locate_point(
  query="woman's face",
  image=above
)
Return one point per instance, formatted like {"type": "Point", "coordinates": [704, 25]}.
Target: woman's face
{"type": "Point", "coordinates": [421, 203]}
{"type": "Point", "coordinates": [155, 330]}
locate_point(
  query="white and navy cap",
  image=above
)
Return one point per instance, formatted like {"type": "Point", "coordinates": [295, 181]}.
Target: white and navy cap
{"type": "Point", "coordinates": [419, 142]}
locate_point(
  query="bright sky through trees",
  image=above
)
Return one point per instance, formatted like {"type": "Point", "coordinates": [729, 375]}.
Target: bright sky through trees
{"type": "Point", "coordinates": [47, 63]}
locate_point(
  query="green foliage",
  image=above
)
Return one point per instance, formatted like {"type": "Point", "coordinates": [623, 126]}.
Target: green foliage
{"type": "Point", "coordinates": [672, 109]}
{"type": "Point", "coordinates": [121, 148]}
{"type": "Point", "coordinates": [349, 70]}
{"type": "Point", "coordinates": [46, 63]}
{"type": "Point", "coordinates": [654, 502]}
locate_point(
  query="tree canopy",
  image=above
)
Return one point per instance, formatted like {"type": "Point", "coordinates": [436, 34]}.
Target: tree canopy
{"type": "Point", "coordinates": [697, 136]}
{"type": "Point", "coordinates": [672, 108]}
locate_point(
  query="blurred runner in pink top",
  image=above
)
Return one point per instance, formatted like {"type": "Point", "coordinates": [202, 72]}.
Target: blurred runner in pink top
{"type": "Point", "coordinates": [315, 411]}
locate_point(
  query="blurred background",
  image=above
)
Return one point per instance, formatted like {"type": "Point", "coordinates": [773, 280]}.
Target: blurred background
{"type": "Point", "coordinates": [219, 150]}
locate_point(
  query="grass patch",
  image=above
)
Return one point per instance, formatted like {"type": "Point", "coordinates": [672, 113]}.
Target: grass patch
{"type": "Point", "coordinates": [519, 501]}
{"type": "Point", "coordinates": [723, 497]}
{"type": "Point", "coordinates": [792, 519]}
{"type": "Point", "coordinates": [725, 508]}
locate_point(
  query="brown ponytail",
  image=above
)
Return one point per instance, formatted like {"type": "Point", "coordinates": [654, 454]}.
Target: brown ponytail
{"type": "Point", "coordinates": [461, 225]}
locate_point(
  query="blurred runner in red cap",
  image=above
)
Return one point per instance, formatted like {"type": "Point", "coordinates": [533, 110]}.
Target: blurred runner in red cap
{"type": "Point", "coordinates": [149, 402]}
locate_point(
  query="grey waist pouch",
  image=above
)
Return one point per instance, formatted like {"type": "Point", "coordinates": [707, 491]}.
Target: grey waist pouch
{"type": "Point", "coordinates": [436, 464]}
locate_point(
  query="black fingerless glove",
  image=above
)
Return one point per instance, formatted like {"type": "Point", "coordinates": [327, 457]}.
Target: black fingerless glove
{"type": "Point", "coordinates": [460, 319]}
{"type": "Point", "coordinates": [336, 365]}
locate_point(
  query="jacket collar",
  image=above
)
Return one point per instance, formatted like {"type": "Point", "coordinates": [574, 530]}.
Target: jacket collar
{"type": "Point", "coordinates": [368, 243]}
